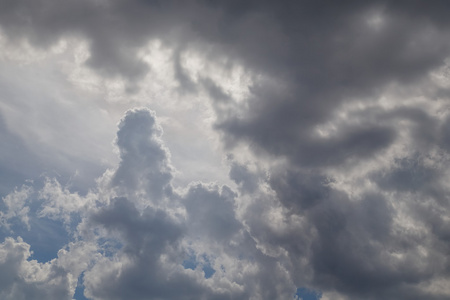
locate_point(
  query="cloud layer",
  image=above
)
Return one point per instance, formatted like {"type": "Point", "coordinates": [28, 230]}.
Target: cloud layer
{"type": "Point", "coordinates": [301, 150]}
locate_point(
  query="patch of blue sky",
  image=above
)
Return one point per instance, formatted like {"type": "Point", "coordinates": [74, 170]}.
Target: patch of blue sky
{"type": "Point", "coordinates": [307, 294]}
{"type": "Point", "coordinates": [109, 247]}
{"type": "Point", "coordinates": [192, 263]}
{"type": "Point", "coordinates": [208, 270]}
{"type": "Point", "coordinates": [79, 291]}
{"type": "Point", "coordinates": [206, 266]}
{"type": "Point", "coordinates": [45, 236]}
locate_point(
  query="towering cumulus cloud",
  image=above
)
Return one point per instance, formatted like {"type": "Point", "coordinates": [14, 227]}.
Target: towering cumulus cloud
{"type": "Point", "coordinates": [159, 239]}
{"type": "Point", "coordinates": [261, 150]}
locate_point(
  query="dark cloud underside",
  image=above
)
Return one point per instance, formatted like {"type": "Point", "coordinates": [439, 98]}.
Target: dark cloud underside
{"type": "Point", "coordinates": [339, 153]}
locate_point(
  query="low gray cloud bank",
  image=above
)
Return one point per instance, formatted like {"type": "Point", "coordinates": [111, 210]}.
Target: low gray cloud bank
{"type": "Point", "coordinates": [337, 153]}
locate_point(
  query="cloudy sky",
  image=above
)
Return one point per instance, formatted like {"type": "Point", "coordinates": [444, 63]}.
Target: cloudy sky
{"type": "Point", "coordinates": [224, 150]}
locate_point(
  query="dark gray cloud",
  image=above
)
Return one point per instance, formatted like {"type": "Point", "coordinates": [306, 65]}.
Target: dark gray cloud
{"type": "Point", "coordinates": [300, 191]}
{"type": "Point", "coordinates": [333, 56]}
{"type": "Point", "coordinates": [356, 246]}
{"type": "Point", "coordinates": [209, 206]}
{"type": "Point", "coordinates": [343, 120]}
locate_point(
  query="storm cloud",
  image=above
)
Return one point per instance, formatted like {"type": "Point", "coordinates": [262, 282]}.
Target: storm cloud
{"type": "Point", "coordinates": [260, 149]}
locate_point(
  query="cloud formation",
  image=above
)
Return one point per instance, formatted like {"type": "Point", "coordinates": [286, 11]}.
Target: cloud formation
{"type": "Point", "coordinates": [309, 149]}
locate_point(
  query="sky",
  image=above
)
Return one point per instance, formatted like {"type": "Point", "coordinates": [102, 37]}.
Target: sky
{"type": "Point", "coordinates": [218, 150]}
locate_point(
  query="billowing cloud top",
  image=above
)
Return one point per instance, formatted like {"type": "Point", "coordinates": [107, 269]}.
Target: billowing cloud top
{"type": "Point", "coordinates": [261, 150]}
